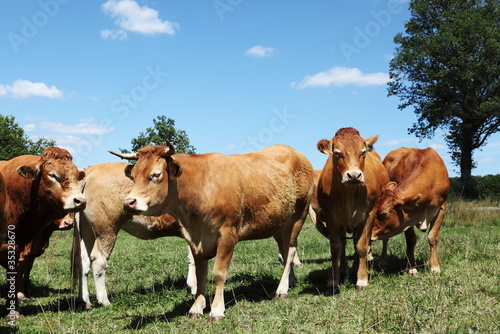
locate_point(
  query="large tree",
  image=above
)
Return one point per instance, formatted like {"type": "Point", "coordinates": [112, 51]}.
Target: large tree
{"type": "Point", "coordinates": [14, 142]}
{"type": "Point", "coordinates": [163, 129]}
{"type": "Point", "coordinates": [447, 67]}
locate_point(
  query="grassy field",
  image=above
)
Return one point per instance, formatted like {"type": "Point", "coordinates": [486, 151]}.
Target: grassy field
{"type": "Point", "coordinates": [146, 281]}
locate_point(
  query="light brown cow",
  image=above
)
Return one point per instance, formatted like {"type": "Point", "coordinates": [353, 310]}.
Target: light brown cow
{"type": "Point", "coordinates": [221, 200]}
{"type": "Point", "coordinates": [97, 227]}
{"type": "Point", "coordinates": [416, 196]}
{"type": "Point", "coordinates": [348, 189]}
{"type": "Point", "coordinates": [39, 190]}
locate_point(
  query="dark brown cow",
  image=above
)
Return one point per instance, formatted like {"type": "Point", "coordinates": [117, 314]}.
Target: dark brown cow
{"type": "Point", "coordinates": [221, 200]}
{"type": "Point", "coordinates": [416, 196]}
{"type": "Point", "coordinates": [348, 189]}
{"type": "Point", "coordinates": [35, 249]}
{"type": "Point", "coordinates": [39, 190]}
{"type": "Point", "coordinates": [97, 227]}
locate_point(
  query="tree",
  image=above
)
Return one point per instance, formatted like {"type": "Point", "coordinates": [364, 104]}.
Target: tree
{"type": "Point", "coordinates": [163, 129]}
{"type": "Point", "coordinates": [447, 67]}
{"type": "Point", "coordinates": [14, 142]}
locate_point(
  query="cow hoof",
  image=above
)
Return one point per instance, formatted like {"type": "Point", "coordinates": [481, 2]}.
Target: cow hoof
{"type": "Point", "coordinates": [360, 287]}
{"type": "Point", "coordinates": [13, 315]}
{"type": "Point", "coordinates": [217, 318]}
{"type": "Point", "coordinates": [413, 272]}
{"type": "Point", "coordinates": [194, 315]}
{"type": "Point", "coordinates": [281, 296]}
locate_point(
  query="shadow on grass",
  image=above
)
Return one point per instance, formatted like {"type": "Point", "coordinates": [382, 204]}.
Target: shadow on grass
{"type": "Point", "coordinates": [317, 280]}
{"type": "Point", "coordinates": [247, 287]}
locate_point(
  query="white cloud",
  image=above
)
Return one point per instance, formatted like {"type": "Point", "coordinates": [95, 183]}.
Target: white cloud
{"type": "Point", "coordinates": [341, 76]}
{"type": "Point", "coordinates": [261, 51]}
{"type": "Point", "coordinates": [114, 34]}
{"type": "Point", "coordinates": [29, 127]}
{"type": "Point", "coordinates": [82, 128]}
{"type": "Point", "coordinates": [21, 89]}
{"type": "Point", "coordinates": [129, 16]}
{"type": "Point", "coordinates": [486, 161]}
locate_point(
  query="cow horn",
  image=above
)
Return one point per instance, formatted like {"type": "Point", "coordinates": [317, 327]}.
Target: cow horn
{"type": "Point", "coordinates": [128, 156]}
{"type": "Point", "coordinates": [171, 149]}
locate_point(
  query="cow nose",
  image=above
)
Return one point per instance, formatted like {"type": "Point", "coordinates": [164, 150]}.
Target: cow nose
{"type": "Point", "coordinates": [80, 202]}
{"type": "Point", "coordinates": [68, 223]}
{"type": "Point", "coordinates": [354, 176]}
{"type": "Point", "coordinates": [130, 202]}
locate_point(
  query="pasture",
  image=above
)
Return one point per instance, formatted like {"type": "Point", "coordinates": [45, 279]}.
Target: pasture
{"type": "Point", "coordinates": [146, 282]}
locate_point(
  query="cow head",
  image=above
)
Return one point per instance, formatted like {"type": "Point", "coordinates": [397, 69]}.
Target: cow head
{"type": "Point", "coordinates": [390, 211]}
{"type": "Point", "coordinates": [151, 174]}
{"type": "Point", "coordinates": [348, 151]}
{"type": "Point", "coordinates": [59, 180]}
{"type": "Point", "coordinates": [63, 224]}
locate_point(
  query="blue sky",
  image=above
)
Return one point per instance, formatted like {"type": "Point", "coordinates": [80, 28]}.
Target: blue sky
{"type": "Point", "coordinates": [236, 75]}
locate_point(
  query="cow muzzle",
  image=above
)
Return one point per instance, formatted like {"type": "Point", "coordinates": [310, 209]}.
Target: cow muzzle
{"type": "Point", "coordinates": [353, 177]}
{"type": "Point", "coordinates": [76, 203]}
{"type": "Point", "coordinates": [134, 205]}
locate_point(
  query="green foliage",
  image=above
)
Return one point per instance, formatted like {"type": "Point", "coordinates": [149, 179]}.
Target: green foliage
{"type": "Point", "coordinates": [447, 68]}
{"type": "Point", "coordinates": [146, 283]}
{"type": "Point", "coordinates": [163, 129]}
{"type": "Point", "coordinates": [484, 187]}
{"type": "Point", "coordinates": [14, 142]}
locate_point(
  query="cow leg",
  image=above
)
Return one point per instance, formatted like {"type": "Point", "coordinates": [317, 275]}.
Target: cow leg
{"type": "Point", "coordinates": [433, 239]}
{"type": "Point", "coordinates": [99, 262]}
{"type": "Point", "coordinates": [82, 272]}
{"type": "Point", "coordinates": [383, 256]}
{"type": "Point", "coordinates": [337, 246]}
{"type": "Point", "coordinates": [362, 248]}
{"type": "Point", "coordinates": [411, 241]}
{"type": "Point", "coordinates": [201, 284]}
{"type": "Point", "coordinates": [225, 249]}
{"type": "Point", "coordinates": [191, 276]}
{"type": "Point", "coordinates": [23, 283]}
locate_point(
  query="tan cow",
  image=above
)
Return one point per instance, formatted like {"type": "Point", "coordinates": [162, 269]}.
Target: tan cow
{"type": "Point", "coordinates": [416, 196]}
{"type": "Point", "coordinates": [221, 200]}
{"type": "Point", "coordinates": [348, 189]}
{"type": "Point", "coordinates": [98, 225]}
{"type": "Point", "coordinates": [39, 190]}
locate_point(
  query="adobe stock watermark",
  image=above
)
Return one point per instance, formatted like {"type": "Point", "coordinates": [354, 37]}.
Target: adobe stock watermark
{"type": "Point", "coordinates": [223, 6]}
{"type": "Point", "coordinates": [121, 107]}
{"type": "Point", "coordinates": [364, 35]}
{"type": "Point", "coordinates": [278, 123]}
{"type": "Point", "coordinates": [11, 276]}
{"type": "Point", "coordinates": [30, 26]}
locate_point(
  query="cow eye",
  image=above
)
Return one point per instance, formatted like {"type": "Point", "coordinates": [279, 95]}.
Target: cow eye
{"type": "Point", "coordinates": [155, 176]}
{"type": "Point", "coordinates": [54, 176]}
{"type": "Point", "coordinates": [363, 153]}
{"type": "Point", "coordinates": [338, 154]}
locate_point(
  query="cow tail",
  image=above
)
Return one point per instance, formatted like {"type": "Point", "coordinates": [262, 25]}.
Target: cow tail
{"type": "Point", "coordinates": [318, 222]}
{"type": "Point", "coordinates": [76, 250]}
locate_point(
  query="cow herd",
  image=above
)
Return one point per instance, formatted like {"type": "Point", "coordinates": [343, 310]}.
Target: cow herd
{"type": "Point", "coordinates": [213, 201]}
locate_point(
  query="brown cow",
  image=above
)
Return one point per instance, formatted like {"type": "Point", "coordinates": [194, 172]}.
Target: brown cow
{"type": "Point", "coordinates": [221, 200]}
{"type": "Point", "coordinates": [416, 196]}
{"type": "Point", "coordinates": [348, 189]}
{"type": "Point", "coordinates": [39, 190]}
{"type": "Point", "coordinates": [35, 249]}
{"type": "Point", "coordinates": [97, 227]}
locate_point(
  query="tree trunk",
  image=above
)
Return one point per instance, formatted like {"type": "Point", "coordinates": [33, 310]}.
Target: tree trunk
{"type": "Point", "coordinates": [467, 184]}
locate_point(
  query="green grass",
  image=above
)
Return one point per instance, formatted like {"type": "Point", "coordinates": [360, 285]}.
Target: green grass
{"type": "Point", "coordinates": [146, 281]}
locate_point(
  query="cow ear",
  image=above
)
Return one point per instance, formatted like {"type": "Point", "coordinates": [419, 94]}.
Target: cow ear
{"type": "Point", "coordinates": [370, 141]}
{"type": "Point", "coordinates": [28, 172]}
{"type": "Point", "coordinates": [324, 146]}
{"type": "Point", "coordinates": [411, 202]}
{"type": "Point", "coordinates": [174, 168]}
{"type": "Point", "coordinates": [128, 171]}
{"type": "Point", "coordinates": [391, 185]}
{"type": "Point", "coordinates": [81, 175]}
